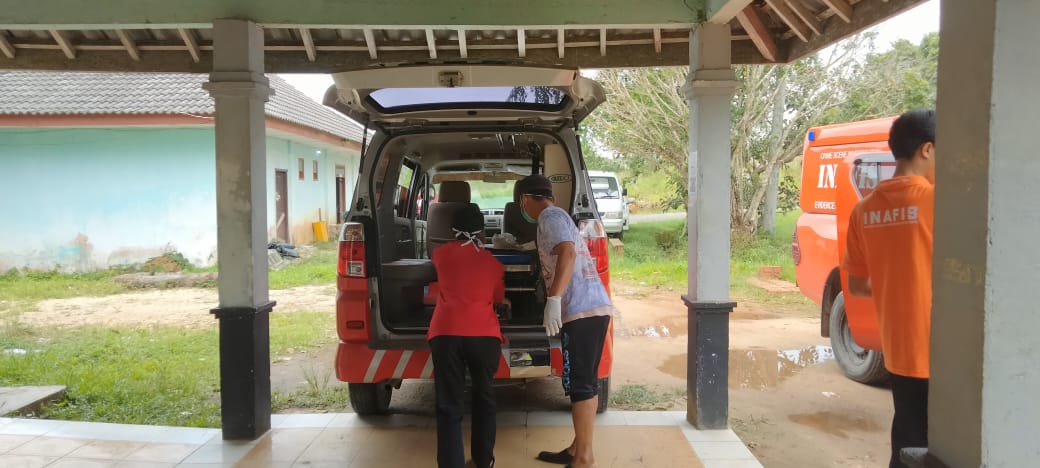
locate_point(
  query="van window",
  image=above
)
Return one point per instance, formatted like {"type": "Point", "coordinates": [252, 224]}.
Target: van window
{"type": "Point", "coordinates": [398, 99]}
{"type": "Point", "coordinates": [403, 198]}
{"type": "Point", "coordinates": [871, 170]}
{"type": "Point", "coordinates": [491, 195]}
{"type": "Point", "coordinates": [605, 187]}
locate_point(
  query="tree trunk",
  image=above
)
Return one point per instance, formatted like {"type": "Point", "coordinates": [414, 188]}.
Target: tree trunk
{"type": "Point", "coordinates": [773, 190]}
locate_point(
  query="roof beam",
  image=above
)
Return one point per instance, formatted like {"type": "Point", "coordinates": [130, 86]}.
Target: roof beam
{"type": "Point", "coordinates": [189, 42]}
{"type": "Point", "coordinates": [521, 42]}
{"type": "Point", "coordinates": [559, 41]}
{"type": "Point", "coordinates": [6, 47]}
{"type": "Point", "coordinates": [405, 14]}
{"type": "Point", "coordinates": [841, 8]}
{"type": "Point", "coordinates": [603, 42]}
{"type": "Point", "coordinates": [431, 42]}
{"type": "Point", "coordinates": [723, 11]}
{"type": "Point", "coordinates": [128, 42]}
{"type": "Point", "coordinates": [751, 20]}
{"type": "Point", "coordinates": [834, 29]}
{"type": "Point", "coordinates": [790, 19]}
{"type": "Point", "coordinates": [462, 44]}
{"type": "Point", "coordinates": [806, 16]}
{"type": "Point", "coordinates": [308, 44]}
{"type": "Point", "coordinates": [370, 41]}
{"type": "Point", "coordinates": [63, 42]}
{"type": "Point", "coordinates": [657, 40]}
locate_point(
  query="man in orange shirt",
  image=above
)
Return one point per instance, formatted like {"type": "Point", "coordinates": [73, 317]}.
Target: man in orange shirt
{"type": "Point", "coordinates": [889, 259]}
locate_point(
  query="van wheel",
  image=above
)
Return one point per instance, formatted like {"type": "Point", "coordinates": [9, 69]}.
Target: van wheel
{"type": "Point", "coordinates": [862, 365]}
{"type": "Point", "coordinates": [370, 398]}
{"type": "Point", "coordinates": [604, 395]}
{"type": "Point", "coordinates": [621, 235]}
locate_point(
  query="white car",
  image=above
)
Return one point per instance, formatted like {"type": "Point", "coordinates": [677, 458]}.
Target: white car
{"type": "Point", "coordinates": [611, 202]}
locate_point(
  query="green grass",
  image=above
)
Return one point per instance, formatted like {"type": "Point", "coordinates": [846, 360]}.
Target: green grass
{"type": "Point", "coordinates": [315, 270]}
{"type": "Point", "coordinates": [37, 286]}
{"type": "Point", "coordinates": [320, 394]}
{"type": "Point", "coordinates": [655, 254]}
{"type": "Point", "coordinates": [643, 398]}
{"type": "Point", "coordinates": [160, 375]}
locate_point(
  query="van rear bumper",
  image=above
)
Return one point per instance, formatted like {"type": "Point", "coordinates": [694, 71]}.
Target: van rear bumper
{"type": "Point", "coordinates": [359, 363]}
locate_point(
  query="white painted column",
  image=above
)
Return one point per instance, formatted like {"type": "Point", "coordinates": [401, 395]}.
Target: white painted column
{"type": "Point", "coordinates": [710, 92]}
{"type": "Point", "coordinates": [985, 349]}
{"type": "Point", "coordinates": [240, 89]}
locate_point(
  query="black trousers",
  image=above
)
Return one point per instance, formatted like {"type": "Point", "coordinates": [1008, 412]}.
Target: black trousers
{"type": "Point", "coordinates": [452, 357]}
{"type": "Point", "coordinates": [910, 424]}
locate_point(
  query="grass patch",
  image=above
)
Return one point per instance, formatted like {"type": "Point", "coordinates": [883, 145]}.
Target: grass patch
{"type": "Point", "coordinates": [655, 255]}
{"type": "Point", "coordinates": [317, 269]}
{"type": "Point", "coordinates": [633, 397]}
{"type": "Point", "coordinates": [37, 286]}
{"type": "Point", "coordinates": [160, 375]}
{"type": "Point", "coordinates": [319, 394]}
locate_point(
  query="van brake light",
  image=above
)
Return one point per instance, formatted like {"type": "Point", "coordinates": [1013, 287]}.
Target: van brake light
{"type": "Point", "coordinates": [796, 248]}
{"type": "Point", "coordinates": [352, 251]}
{"type": "Point", "coordinates": [596, 239]}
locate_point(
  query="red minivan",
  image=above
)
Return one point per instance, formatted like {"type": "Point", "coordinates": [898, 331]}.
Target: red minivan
{"type": "Point", "coordinates": [841, 164]}
{"type": "Point", "coordinates": [442, 137]}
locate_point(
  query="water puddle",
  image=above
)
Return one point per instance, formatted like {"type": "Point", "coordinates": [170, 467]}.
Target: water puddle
{"type": "Point", "coordinates": [758, 369]}
{"type": "Point", "coordinates": [835, 424]}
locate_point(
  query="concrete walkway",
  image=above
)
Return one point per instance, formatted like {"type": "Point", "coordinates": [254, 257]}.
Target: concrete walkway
{"type": "Point", "coordinates": [623, 439]}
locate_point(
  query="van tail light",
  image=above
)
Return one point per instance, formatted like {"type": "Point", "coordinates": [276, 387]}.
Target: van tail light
{"type": "Point", "coordinates": [596, 239]}
{"type": "Point", "coordinates": [796, 248]}
{"type": "Point", "coordinates": [352, 251]}
{"type": "Point", "coordinates": [352, 293]}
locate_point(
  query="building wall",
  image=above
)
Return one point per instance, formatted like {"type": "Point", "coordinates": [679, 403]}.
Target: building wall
{"type": "Point", "coordinates": [81, 199]}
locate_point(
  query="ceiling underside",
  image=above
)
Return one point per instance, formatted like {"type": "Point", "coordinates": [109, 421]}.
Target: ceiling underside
{"type": "Point", "coordinates": [764, 31]}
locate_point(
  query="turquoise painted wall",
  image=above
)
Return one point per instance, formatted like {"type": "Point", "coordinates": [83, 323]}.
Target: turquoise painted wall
{"type": "Point", "coordinates": [78, 199]}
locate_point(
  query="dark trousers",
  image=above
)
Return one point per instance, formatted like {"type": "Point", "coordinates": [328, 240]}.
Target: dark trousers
{"type": "Point", "coordinates": [910, 424]}
{"type": "Point", "coordinates": [452, 356]}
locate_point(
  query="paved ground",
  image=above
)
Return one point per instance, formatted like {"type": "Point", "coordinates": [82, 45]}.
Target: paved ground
{"type": "Point", "coordinates": [623, 439]}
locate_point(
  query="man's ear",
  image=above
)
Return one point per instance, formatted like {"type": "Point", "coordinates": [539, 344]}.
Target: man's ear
{"type": "Point", "coordinates": [927, 150]}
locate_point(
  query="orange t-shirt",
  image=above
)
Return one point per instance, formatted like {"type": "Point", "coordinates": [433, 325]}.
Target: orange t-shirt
{"type": "Point", "coordinates": [890, 242]}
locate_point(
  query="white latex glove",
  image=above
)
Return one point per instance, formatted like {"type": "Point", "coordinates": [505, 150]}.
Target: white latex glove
{"type": "Point", "coordinates": [553, 318]}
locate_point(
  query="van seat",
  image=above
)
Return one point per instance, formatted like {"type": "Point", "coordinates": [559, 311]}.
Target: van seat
{"type": "Point", "coordinates": [453, 196]}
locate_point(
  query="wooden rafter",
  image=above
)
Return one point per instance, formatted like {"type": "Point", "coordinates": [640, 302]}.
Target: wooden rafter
{"type": "Point", "coordinates": [128, 42]}
{"type": "Point", "coordinates": [841, 8]}
{"type": "Point", "coordinates": [189, 41]}
{"type": "Point", "coordinates": [790, 19]}
{"type": "Point", "coordinates": [6, 47]}
{"type": "Point", "coordinates": [521, 43]}
{"type": "Point", "coordinates": [807, 17]}
{"type": "Point", "coordinates": [657, 40]}
{"type": "Point", "coordinates": [308, 44]}
{"type": "Point", "coordinates": [560, 44]}
{"type": "Point", "coordinates": [63, 43]}
{"type": "Point", "coordinates": [462, 44]}
{"type": "Point", "coordinates": [603, 42]}
{"type": "Point", "coordinates": [370, 42]}
{"type": "Point", "coordinates": [431, 42]}
{"type": "Point", "coordinates": [751, 20]}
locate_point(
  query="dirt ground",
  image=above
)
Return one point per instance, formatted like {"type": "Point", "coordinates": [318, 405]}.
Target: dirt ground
{"type": "Point", "coordinates": [788, 400]}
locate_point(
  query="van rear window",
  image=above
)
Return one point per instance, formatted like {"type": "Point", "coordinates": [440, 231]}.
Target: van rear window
{"type": "Point", "coordinates": [391, 99]}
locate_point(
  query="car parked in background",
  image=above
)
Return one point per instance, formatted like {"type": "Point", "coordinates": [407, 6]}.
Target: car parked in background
{"type": "Point", "coordinates": [611, 201]}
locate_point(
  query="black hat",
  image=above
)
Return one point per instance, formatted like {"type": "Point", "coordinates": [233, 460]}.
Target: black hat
{"type": "Point", "coordinates": [468, 219]}
{"type": "Point", "coordinates": [535, 184]}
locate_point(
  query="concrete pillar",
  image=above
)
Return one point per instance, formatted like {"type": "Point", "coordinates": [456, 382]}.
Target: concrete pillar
{"type": "Point", "coordinates": [240, 89]}
{"type": "Point", "coordinates": [710, 91]}
{"type": "Point", "coordinates": [985, 346]}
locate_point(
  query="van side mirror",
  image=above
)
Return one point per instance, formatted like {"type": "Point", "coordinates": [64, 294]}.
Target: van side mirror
{"type": "Point", "coordinates": [624, 192]}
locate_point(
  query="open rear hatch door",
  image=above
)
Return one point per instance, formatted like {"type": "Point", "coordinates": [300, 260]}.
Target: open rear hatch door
{"type": "Point", "coordinates": [413, 96]}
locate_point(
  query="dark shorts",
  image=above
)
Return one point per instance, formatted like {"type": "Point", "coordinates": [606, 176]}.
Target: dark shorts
{"type": "Point", "coordinates": [582, 349]}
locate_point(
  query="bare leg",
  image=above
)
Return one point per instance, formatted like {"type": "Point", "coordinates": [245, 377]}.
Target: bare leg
{"type": "Point", "coordinates": [584, 416]}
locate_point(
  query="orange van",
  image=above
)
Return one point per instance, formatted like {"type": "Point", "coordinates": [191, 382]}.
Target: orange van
{"type": "Point", "coordinates": [841, 164]}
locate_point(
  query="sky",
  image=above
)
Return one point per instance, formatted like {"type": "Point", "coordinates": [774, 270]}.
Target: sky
{"type": "Point", "coordinates": [911, 25]}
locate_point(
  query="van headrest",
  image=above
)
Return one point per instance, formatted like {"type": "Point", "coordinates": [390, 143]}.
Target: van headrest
{"type": "Point", "coordinates": [454, 192]}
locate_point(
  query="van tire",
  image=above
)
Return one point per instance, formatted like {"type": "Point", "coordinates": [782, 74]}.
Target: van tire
{"type": "Point", "coordinates": [621, 235]}
{"type": "Point", "coordinates": [370, 398]}
{"type": "Point", "coordinates": [862, 365]}
{"type": "Point", "coordinates": [604, 395]}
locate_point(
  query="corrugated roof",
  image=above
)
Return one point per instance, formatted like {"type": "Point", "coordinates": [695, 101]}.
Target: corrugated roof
{"type": "Point", "coordinates": [74, 93]}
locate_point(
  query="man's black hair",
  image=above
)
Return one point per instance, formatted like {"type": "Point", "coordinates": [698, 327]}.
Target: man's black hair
{"type": "Point", "coordinates": [910, 131]}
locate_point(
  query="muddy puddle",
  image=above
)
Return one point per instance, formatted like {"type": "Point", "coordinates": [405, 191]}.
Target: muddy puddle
{"type": "Point", "coordinates": [835, 424]}
{"type": "Point", "coordinates": [758, 369]}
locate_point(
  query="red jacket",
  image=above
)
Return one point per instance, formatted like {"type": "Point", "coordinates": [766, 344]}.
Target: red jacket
{"type": "Point", "coordinates": [470, 283]}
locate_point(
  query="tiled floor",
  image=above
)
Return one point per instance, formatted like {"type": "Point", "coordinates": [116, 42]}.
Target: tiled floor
{"type": "Point", "coordinates": [623, 439]}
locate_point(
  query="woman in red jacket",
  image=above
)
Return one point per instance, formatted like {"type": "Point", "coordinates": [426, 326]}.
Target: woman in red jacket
{"type": "Point", "coordinates": [465, 334]}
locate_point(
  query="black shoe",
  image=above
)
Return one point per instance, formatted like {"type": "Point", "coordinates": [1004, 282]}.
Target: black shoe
{"type": "Point", "coordinates": [559, 458]}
